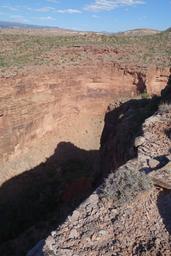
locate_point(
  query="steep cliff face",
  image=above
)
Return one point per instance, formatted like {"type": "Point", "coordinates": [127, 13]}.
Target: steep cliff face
{"type": "Point", "coordinates": [123, 124]}
{"type": "Point", "coordinates": [127, 214]}
{"type": "Point", "coordinates": [157, 78]}
{"type": "Point", "coordinates": [42, 107]}
{"type": "Point", "coordinates": [37, 201]}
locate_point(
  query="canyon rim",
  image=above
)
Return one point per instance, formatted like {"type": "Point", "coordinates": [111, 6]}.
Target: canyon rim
{"type": "Point", "coordinates": [78, 111]}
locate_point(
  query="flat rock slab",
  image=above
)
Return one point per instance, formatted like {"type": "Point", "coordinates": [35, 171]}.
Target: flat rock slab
{"type": "Point", "coordinates": [162, 177]}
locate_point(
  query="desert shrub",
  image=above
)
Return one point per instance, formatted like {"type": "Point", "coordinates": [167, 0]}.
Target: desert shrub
{"type": "Point", "coordinates": [2, 62]}
{"type": "Point", "coordinates": [124, 185]}
{"type": "Point", "coordinates": [144, 95]}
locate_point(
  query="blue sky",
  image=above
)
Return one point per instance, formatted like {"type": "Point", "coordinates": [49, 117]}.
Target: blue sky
{"type": "Point", "coordinates": [92, 15]}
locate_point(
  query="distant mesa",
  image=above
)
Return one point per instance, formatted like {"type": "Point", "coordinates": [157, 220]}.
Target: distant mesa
{"type": "Point", "coordinates": [139, 32]}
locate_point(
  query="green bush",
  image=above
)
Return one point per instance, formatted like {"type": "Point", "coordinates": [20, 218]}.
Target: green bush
{"type": "Point", "coordinates": [144, 95]}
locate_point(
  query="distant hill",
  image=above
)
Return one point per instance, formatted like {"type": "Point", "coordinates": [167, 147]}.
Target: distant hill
{"type": "Point", "coordinates": [133, 32]}
{"type": "Point", "coordinates": [8, 24]}
{"type": "Point", "coordinates": [17, 25]}
{"type": "Point", "coordinates": [139, 32]}
{"type": "Point", "coordinates": [168, 30]}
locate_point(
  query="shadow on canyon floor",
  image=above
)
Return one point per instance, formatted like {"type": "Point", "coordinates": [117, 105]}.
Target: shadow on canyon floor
{"type": "Point", "coordinates": [37, 201]}
{"type": "Point", "coordinates": [43, 197]}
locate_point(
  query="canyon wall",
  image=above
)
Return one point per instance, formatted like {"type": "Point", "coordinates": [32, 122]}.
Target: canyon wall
{"type": "Point", "coordinates": [41, 107]}
{"type": "Point", "coordinates": [157, 79]}
{"type": "Point", "coordinates": [129, 213]}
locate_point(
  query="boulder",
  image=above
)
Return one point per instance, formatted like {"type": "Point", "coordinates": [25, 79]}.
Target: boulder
{"type": "Point", "coordinates": [162, 177]}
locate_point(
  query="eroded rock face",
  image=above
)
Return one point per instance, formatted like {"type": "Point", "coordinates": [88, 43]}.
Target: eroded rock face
{"type": "Point", "coordinates": [126, 215]}
{"type": "Point", "coordinates": [156, 78]}
{"type": "Point", "coordinates": [40, 108]}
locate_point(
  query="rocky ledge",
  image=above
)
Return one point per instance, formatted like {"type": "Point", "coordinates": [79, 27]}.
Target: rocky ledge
{"type": "Point", "coordinates": [129, 213]}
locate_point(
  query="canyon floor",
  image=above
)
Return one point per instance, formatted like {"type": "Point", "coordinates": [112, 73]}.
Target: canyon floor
{"type": "Point", "coordinates": [74, 108]}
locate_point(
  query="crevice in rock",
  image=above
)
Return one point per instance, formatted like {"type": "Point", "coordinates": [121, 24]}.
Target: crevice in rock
{"type": "Point", "coordinates": [141, 84]}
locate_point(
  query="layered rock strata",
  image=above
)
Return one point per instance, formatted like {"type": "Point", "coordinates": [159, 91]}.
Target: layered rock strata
{"type": "Point", "coordinates": [42, 107]}
{"type": "Point", "coordinates": [127, 214]}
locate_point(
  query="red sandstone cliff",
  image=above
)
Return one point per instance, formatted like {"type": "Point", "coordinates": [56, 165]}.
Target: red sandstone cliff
{"type": "Point", "coordinates": [41, 107]}
{"type": "Point", "coordinates": [126, 214]}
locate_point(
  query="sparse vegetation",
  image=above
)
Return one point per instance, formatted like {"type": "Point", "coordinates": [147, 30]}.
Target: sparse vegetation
{"type": "Point", "coordinates": [124, 185]}
{"type": "Point", "coordinates": [145, 95]}
{"type": "Point", "coordinates": [18, 50]}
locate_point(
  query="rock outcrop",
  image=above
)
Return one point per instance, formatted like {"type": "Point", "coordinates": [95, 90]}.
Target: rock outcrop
{"type": "Point", "coordinates": [129, 214]}
{"type": "Point", "coordinates": [101, 229]}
